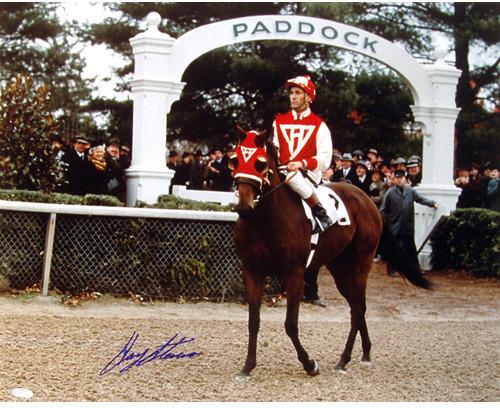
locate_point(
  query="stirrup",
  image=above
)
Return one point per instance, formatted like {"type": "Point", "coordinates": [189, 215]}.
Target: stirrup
{"type": "Point", "coordinates": [323, 221]}
{"type": "Point", "coordinates": [322, 226]}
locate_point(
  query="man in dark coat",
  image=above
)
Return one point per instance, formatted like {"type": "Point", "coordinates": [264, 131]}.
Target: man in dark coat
{"type": "Point", "coordinates": [116, 185]}
{"type": "Point", "coordinates": [222, 180]}
{"type": "Point", "coordinates": [77, 161]}
{"type": "Point", "coordinates": [363, 177]}
{"type": "Point", "coordinates": [398, 212]}
{"type": "Point", "coordinates": [346, 172]}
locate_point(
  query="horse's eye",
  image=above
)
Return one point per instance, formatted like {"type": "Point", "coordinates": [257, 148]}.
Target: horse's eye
{"type": "Point", "coordinates": [233, 162]}
{"type": "Point", "coordinates": [261, 164]}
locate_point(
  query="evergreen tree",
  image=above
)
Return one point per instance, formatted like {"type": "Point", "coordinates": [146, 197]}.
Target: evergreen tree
{"type": "Point", "coordinates": [472, 24]}
{"type": "Point", "coordinates": [35, 43]}
{"type": "Point", "coordinates": [244, 82]}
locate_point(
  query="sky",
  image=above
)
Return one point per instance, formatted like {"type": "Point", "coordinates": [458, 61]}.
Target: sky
{"type": "Point", "coordinates": [100, 60]}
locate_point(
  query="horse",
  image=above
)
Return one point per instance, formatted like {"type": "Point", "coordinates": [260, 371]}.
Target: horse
{"type": "Point", "coordinates": [272, 237]}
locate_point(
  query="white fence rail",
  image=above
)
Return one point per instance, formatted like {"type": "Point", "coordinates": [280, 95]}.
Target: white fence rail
{"type": "Point", "coordinates": [156, 252]}
{"type": "Point", "coordinates": [220, 197]}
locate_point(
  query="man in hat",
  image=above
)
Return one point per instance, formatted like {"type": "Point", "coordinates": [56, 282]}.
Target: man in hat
{"type": "Point", "coordinates": [358, 155]}
{"type": "Point", "coordinates": [117, 183]}
{"type": "Point", "coordinates": [398, 212]}
{"type": "Point", "coordinates": [304, 142]}
{"type": "Point", "coordinates": [414, 172]}
{"type": "Point", "coordinates": [346, 172]}
{"type": "Point", "coordinates": [378, 187]}
{"type": "Point", "coordinates": [125, 159]}
{"type": "Point", "coordinates": [363, 177]}
{"type": "Point", "coordinates": [77, 162]}
{"type": "Point", "coordinates": [399, 164]}
{"type": "Point", "coordinates": [372, 156]}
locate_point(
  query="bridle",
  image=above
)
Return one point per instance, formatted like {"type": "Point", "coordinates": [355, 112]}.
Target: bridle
{"type": "Point", "coordinates": [263, 194]}
{"type": "Point", "coordinates": [267, 193]}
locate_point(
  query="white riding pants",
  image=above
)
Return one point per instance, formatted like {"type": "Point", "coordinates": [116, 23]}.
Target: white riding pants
{"type": "Point", "coordinates": [301, 185]}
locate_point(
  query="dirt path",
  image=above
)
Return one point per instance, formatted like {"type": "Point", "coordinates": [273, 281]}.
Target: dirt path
{"type": "Point", "coordinates": [439, 345]}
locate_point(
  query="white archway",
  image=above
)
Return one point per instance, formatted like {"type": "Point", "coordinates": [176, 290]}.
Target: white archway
{"type": "Point", "coordinates": [161, 60]}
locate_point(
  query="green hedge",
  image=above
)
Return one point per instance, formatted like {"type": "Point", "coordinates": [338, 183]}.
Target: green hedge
{"type": "Point", "coordinates": [164, 201]}
{"type": "Point", "coordinates": [59, 198]}
{"type": "Point", "coordinates": [173, 202]}
{"type": "Point", "coordinates": [468, 239]}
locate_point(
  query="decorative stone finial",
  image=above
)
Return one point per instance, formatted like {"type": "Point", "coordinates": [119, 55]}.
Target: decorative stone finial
{"type": "Point", "coordinates": [440, 52]}
{"type": "Point", "coordinates": [153, 20]}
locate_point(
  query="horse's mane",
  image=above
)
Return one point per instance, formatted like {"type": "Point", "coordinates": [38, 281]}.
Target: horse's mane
{"type": "Point", "coordinates": [273, 151]}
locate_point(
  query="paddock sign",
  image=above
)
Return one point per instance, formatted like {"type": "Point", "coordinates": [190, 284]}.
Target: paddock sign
{"type": "Point", "coordinates": [330, 33]}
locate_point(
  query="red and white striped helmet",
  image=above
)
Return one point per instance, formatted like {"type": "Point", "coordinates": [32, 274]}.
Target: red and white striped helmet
{"type": "Point", "coordinates": [304, 82]}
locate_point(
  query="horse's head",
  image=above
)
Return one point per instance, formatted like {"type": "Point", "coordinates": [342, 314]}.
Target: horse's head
{"type": "Point", "coordinates": [250, 164]}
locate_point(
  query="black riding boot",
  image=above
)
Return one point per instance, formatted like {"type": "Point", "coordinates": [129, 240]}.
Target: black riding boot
{"type": "Point", "coordinates": [318, 211]}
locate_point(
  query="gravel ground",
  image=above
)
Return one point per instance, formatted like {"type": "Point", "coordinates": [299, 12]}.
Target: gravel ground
{"type": "Point", "coordinates": [439, 345]}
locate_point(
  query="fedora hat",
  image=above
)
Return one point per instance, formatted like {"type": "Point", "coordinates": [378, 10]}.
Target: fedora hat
{"type": "Point", "coordinates": [81, 138]}
{"type": "Point", "coordinates": [346, 157]}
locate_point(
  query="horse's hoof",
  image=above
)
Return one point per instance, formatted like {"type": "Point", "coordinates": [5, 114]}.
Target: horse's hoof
{"type": "Point", "coordinates": [340, 368]}
{"type": "Point", "coordinates": [366, 363]}
{"type": "Point", "coordinates": [342, 371]}
{"type": "Point", "coordinates": [242, 376]}
{"type": "Point", "coordinates": [315, 370]}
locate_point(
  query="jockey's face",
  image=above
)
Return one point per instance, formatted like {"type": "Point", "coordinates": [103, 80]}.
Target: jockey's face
{"type": "Point", "coordinates": [299, 99]}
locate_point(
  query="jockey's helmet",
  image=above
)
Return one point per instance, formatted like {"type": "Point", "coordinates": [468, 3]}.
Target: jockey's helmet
{"type": "Point", "coordinates": [305, 83]}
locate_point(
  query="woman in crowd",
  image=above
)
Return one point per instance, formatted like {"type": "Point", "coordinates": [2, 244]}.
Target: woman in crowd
{"type": "Point", "coordinates": [97, 172]}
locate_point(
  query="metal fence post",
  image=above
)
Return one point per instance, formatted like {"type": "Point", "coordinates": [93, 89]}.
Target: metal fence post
{"type": "Point", "coordinates": [47, 253]}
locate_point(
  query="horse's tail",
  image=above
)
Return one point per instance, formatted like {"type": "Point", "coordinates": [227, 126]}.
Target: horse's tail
{"type": "Point", "coordinates": [395, 256]}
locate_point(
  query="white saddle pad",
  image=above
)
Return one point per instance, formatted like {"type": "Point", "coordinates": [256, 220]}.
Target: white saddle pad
{"type": "Point", "coordinates": [333, 205]}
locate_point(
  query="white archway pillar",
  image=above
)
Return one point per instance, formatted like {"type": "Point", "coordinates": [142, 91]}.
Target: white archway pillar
{"type": "Point", "coordinates": [160, 62]}
{"type": "Point", "coordinates": [438, 125]}
{"type": "Point", "coordinates": [148, 176]}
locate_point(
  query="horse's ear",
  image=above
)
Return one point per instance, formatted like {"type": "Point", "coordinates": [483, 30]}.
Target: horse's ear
{"type": "Point", "coordinates": [241, 133]}
{"type": "Point", "coordinates": [261, 138]}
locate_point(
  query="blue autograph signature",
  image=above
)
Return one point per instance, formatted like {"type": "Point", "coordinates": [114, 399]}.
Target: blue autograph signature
{"type": "Point", "coordinates": [131, 359]}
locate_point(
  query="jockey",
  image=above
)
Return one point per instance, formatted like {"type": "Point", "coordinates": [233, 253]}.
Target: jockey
{"type": "Point", "coordinates": [304, 142]}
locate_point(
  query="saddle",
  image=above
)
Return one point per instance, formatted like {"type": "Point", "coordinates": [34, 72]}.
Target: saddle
{"type": "Point", "coordinates": [334, 207]}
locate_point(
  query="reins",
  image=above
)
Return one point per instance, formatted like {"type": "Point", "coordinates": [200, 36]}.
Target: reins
{"type": "Point", "coordinates": [278, 186]}
{"type": "Point", "coordinates": [267, 193]}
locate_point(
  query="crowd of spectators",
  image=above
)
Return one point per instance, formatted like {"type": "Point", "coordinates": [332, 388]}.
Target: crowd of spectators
{"type": "Point", "coordinates": [370, 171]}
{"type": "Point", "coordinates": [480, 187]}
{"type": "Point", "coordinates": [93, 168]}
{"type": "Point", "coordinates": [199, 172]}
{"type": "Point", "coordinates": [99, 168]}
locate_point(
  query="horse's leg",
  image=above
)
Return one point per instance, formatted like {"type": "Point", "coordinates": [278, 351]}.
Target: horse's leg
{"type": "Point", "coordinates": [351, 283]}
{"type": "Point", "coordinates": [254, 287]}
{"type": "Point", "coordinates": [294, 288]}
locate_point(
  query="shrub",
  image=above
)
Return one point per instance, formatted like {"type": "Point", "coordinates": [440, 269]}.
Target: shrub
{"type": "Point", "coordinates": [164, 201]}
{"type": "Point", "coordinates": [59, 198]}
{"type": "Point", "coordinates": [468, 239]}
{"type": "Point", "coordinates": [27, 159]}
{"type": "Point", "coordinates": [171, 202]}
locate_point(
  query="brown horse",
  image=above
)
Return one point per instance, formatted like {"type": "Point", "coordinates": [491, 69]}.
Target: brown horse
{"type": "Point", "coordinates": [272, 238]}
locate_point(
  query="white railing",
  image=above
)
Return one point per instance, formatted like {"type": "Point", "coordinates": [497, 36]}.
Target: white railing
{"type": "Point", "coordinates": [118, 211]}
{"type": "Point", "coordinates": [56, 211]}
{"type": "Point", "coordinates": [220, 197]}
